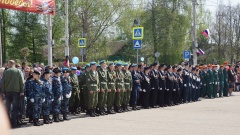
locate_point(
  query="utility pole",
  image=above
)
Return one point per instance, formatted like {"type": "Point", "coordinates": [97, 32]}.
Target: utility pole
{"type": "Point", "coordinates": [66, 29]}
{"type": "Point", "coordinates": [154, 28]}
{"type": "Point", "coordinates": [50, 41]}
{"type": "Point", "coordinates": [194, 34]}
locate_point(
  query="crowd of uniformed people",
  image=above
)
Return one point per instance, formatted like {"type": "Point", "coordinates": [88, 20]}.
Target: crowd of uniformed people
{"type": "Point", "coordinates": [52, 93]}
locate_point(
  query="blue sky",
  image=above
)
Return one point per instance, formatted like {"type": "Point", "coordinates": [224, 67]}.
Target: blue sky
{"type": "Point", "coordinates": [212, 4]}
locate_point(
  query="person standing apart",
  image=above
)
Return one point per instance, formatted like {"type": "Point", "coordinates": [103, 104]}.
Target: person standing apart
{"type": "Point", "coordinates": [12, 87]}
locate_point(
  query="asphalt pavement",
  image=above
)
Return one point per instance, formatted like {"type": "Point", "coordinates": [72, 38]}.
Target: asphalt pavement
{"type": "Point", "coordinates": [220, 116]}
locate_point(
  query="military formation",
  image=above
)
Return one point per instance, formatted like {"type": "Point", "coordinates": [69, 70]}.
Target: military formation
{"type": "Point", "coordinates": [115, 88]}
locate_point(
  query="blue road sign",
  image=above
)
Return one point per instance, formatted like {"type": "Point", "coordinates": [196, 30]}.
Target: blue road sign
{"type": "Point", "coordinates": [187, 54]}
{"type": "Point", "coordinates": [137, 33]}
{"type": "Point", "coordinates": [137, 44]}
{"type": "Point", "coordinates": [82, 42]}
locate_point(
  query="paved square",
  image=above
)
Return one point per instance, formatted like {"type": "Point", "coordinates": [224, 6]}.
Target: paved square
{"type": "Point", "coordinates": [219, 116]}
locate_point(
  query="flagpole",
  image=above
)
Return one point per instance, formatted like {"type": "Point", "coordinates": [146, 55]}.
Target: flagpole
{"type": "Point", "coordinates": [66, 30]}
{"type": "Point", "coordinates": [194, 34]}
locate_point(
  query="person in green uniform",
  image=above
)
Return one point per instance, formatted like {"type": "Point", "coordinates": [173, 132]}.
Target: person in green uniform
{"type": "Point", "coordinates": [119, 87]}
{"type": "Point", "coordinates": [128, 87]}
{"type": "Point", "coordinates": [221, 80]}
{"type": "Point", "coordinates": [102, 95]}
{"type": "Point", "coordinates": [92, 82]}
{"type": "Point", "coordinates": [74, 99]}
{"type": "Point", "coordinates": [216, 81]}
{"type": "Point", "coordinates": [81, 83]}
{"type": "Point", "coordinates": [204, 81]}
{"type": "Point", "coordinates": [85, 90]}
{"type": "Point", "coordinates": [111, 88]}
{"type": "Point", "coordinates": [210, 81]}
{"type": "Point", "coordinates": [225, 76]}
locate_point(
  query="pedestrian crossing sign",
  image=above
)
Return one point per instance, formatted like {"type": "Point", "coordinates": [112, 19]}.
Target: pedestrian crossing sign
{"type": "Point", "coordinates": [137, 44]}
{"type": "Point", "coordinates": [137, 33]}
{"type": "Point", "coordinates": [82, 42]}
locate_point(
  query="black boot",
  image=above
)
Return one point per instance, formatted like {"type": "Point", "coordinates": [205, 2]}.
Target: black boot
{"type": "Point", "coordinates": [60, 119]}
{"type": "Point", "coordinates": [94, 112]}
{"type": "Point", "coordinates": [49, 120]}
{"type": "Point", "coordinates": [19, 120]}
{"type": "Point", "coordinates": [45, 119]}
{"type": "Point", "coordinates": [41, 123]}
{"type": "Point", "coordinates": [126, 108]}
{"type": "Point", "coordinates": [91, 113]}
{"type": "Point", "coordinates": [77, 110]}
{"type": "Point", "coordinates": [35, 122]}
{"type": "Point", "coordinates": [30, 119]}
{"type": "Point", "coordinates": [55, 118]}
{"type": "Point", "coordinates": [105, 112]}
{"type": "Point", "coordinates": [65, 116]}
{"type": "Point", "coordinates": [118, 110]}
{"type": "Point", "coordinates": [123, 108]}
{"type": "Point", "coordinates": [101, 111]}
{"type": "Point", "coordinates": [134, 108]}
{"type": "Point", "coordinates": [112, 111]}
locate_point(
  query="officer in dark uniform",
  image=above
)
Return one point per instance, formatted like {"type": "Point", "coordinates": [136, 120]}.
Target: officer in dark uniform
{"type": "Point", "coordinates": [186, 80]}
{"type": "Point", "coordinates": [27, 90]}
{"type": "Point", "coordinates": [154, 80]}
{"type": "Point", "coordinates": [226, 85]}
{"type": "Point", "coordinates": [180, 84]}
{"type": "Point", "coordinates": [198, 85]}
{"type": "Point", "coordinates": [136, 86]}
{"type": "Point", "coordinates": [146, 87]}
{"type": "Point", "coordinates": [162, 85]}
{"type": "Point", "coordinates": [169, 85]}
{"type": "Point", "coordinates": [175, 94]}
{"type": "Point", "coordinates": [221, 80]}
{"type": "Point", "coordinates": [194, 81]}
{"type": "Point", "coordinates": [204, 81]}
{"type": "Point", "coordinates": [140, 74]}
{"type": "Point", "coordinates": [190, 92]}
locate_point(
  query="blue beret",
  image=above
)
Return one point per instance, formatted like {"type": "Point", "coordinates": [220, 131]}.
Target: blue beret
{"type": "Point", "coordinates": [134, 65]}
{"type": "Point", "coordinates": [73, 68]}
{"type": "Point", "coordinates": [83, 68]}
{"type": "Point", "coordinates": [92, 63]}
{"type": "Point", "coordinates": [88, 65]}
{"type": "Point", "coordinates": [98, 66]}
{"type": "Point", "coordinates": [102, 61]}
{"type": "Point", "coordinates": [111, 63]}
{"type": "Point", "coordinates": [126, 64]}
{"type": "Point", "coordinates": [119, 64]}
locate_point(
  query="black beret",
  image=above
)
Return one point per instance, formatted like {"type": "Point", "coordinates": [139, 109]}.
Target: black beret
{"type": "Point", "coordinates": [154, 64]}
{"type": "Point", "coordinates": [162, 65]}
{"type": "Point", "coordinates": [193, 68]}
{"type": "Point", "coordinates": [36, 72]}
{"type": "Point", "coordinates": [57, 70]}
{"type": "Point", "coordinates": [180, 69]}
{"type": "Point", "coordinates": [186, 64]}
{"type": "Point", "coordinates": [146, 68]}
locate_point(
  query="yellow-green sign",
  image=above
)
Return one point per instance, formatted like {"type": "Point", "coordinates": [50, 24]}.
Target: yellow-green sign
{"type": "Point", "coordinates": [82, 42]}
{"type": "Point", "coordinates": [137, 33]}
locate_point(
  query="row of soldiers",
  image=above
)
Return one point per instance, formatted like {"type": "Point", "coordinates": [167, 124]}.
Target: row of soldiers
{"type": "Point", "coordinates": [110, 89]}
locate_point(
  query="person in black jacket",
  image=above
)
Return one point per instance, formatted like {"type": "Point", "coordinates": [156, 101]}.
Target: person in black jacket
{"type": "Point", "coordinates": [175, 86]}
{"type": "Point", "coordinates": [180, 84]}
{"type": "Point", "coordinates": [146, 87]}
{"type": "Point", "coordinates": [154, 78]}
{"type": "Point", "coordinates": [169, 85]}
{"type": "Point", "coordinates": [162, 85]}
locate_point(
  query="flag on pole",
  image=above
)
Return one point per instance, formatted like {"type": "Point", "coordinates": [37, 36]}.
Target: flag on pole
{"type": "Point", "coordinates": [206, 33]}
{"type": "Point", "coordinates": [200, 51]}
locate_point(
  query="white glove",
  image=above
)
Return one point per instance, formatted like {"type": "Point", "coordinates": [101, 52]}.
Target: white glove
{"type": "Point", "coordinates": [204, 84]}
{"type": "Point", "coordinates": [25, 98]}
{"type": "Point", "coordinates": [174, 89]}
{"type": "Point", "coordinates": [189, 84]}
{"type": "Point", "coordinates": [144, 90]}
{"type": "Point", "coordinates": [167, 89]}
{"type": "Point", "coordinates": [43, 100]}
{"type": "Point", "coordinates": [59, 99]}
{"type": "Point", "coordinates": [32, 100]}
{"type": "Point", "coordinates": [140, 89]}
{"type": "Point", "coordinates": [210, 83]}
{"type": "Point", "coordinates": [52, 100]}
{"type": "Point", "coordinates": [68, 95]}
{"type": "Point", "coordinates": [185, 85]}
{"type": "Point", "coordinates": [160, 88]}
{"type": "Point", "coordinates": [193, 86]}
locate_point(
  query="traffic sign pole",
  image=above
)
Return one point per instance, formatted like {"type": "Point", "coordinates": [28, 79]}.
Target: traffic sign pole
{"type": "Point", "coordinates": [137, 55]}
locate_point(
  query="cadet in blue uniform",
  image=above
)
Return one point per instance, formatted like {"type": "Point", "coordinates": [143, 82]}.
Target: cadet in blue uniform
{"type": "Point", "coordinates": [169, 85]}
{"type": "Point", "coordinates": [180, 84]}
{"type": "Point", "coordinates": [47, 88]}
{"type": "Point", "coordinates": [175, 86]}
{"type": "Point", "coordinates": [146, 87]}
{"type": "Point", "coordinates": [67, 91]}
{"type": "Point", "coordinates": [57, 94]}
{"type": "Point", "coordinates": [136, 87]}
{"type": "Point", "coordinates": [36, 97]}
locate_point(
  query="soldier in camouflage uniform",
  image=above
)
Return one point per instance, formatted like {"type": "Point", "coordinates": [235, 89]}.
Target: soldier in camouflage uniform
{"type": "Point", "coordinates": [57, 94]}
{"type": "Point", "coordinates": [74, 99]}
{"type": "Point", "coordinates": [102, 95]}
{"type": "Point", "coordinates": [85, 90]}
{"type": "Point", "coordinates": [111, 88]}
{"type": "Point", "coordinates": [93, 89]}
{"type": "Point", "coordinates": [119, 87]}
{"type": "Point", "coordinates": [82, 81]}
{"type": "Point", "coordinates": [67, 91]}
{"type": "Point", "coordinates": [128, 87]}
{"type": "Point", "coordinates": [47, 88]}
